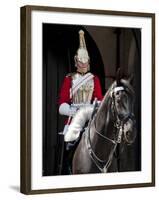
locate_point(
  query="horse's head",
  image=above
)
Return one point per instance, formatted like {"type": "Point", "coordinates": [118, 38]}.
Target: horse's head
{"type": "Point", "coordinates": [122, 108]}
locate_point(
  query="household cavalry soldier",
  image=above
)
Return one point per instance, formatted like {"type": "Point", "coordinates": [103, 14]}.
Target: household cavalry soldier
{"type": "Point", "coordinates": [77, 94]}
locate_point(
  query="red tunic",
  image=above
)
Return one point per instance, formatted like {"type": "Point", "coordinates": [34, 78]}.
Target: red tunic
{"type": "Point", "coordinates": [64, 96]}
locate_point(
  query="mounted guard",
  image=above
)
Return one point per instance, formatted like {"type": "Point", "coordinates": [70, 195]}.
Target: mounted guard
{"type": "Point", "coordinates": [78, 92]}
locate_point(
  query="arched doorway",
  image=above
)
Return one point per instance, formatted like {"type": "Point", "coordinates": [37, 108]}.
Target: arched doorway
{"type": "Point", "coordinates": [60, 43]}
{"type": "Point", "coordinates": [109, 48]}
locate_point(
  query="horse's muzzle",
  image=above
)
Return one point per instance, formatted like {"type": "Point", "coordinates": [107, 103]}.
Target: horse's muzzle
{"type": "Point", "coordinates": [129, 131]}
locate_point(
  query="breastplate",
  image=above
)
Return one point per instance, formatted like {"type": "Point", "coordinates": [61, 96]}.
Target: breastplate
{"type": "Point", "coordinates": [84, 93]}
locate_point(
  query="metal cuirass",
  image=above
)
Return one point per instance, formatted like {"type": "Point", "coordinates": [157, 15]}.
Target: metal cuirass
{"type": "Point", "coordinates": [84, 93]}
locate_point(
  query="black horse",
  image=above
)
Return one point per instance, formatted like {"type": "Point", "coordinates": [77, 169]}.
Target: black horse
{"type": "Point", "coordinates": [112, 124]}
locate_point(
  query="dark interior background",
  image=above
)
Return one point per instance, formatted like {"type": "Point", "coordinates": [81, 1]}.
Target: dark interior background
{"type": "Point", "coordinates": [109, 48]}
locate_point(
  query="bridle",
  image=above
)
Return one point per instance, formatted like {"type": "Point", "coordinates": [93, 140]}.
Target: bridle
{"type": "Point", "coordinates": [118, 125]}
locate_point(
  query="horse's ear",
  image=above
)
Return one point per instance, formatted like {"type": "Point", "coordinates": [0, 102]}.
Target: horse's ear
{"type": "Point", "coordinates": [118, 76]}
{"type": "Point", "coordinates": [131, 79]}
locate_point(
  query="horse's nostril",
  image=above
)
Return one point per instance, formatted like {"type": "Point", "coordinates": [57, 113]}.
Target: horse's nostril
{"type": "Point", "coordinates": [118, 100]}
{"type": "Point", "coordinates": [128, 134]}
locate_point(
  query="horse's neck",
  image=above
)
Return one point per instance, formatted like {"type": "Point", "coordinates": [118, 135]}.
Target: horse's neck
{"type": "Point", "coordinates": [102, 125]}
{"type": "Point", "coordinates": [103, 115]}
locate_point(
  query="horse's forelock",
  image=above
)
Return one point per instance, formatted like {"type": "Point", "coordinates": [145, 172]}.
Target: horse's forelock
{"type": "Point", "coordinates": [107, 98]}
{"type": "Point", "coordinates": [127, 85]}
{"type": "Point", "coordinates": [124, 82]}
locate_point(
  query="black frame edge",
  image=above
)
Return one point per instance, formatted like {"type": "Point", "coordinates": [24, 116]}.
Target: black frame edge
{"type": "Point", "coordinates": [25, 106]}
{"type": "Point", "coordinates": [88, 11]}
{"type": "Point", "coordinates": [153, 100]}
{"type": "Point", "coordinates": [25, 90]}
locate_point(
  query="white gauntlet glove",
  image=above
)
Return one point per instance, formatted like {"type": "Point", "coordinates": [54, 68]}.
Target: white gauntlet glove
{"type": "Point", "coordinates": [66, 109]}
{"type": "Point", "coordinates": [73, 111]}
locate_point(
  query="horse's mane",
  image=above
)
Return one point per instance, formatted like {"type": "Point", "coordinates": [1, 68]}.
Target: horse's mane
{"type": "Point", "coordinates": [106, 100]}
{"type": "Point", "coordinates": [108, 93]}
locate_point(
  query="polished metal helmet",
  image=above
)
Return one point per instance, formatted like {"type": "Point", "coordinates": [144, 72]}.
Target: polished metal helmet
{"type": "Point", "coordinates": [82, 53]}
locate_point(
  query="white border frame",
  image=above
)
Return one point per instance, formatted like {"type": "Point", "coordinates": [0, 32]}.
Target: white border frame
{"type": "Point", "coordinates": [56, 182]}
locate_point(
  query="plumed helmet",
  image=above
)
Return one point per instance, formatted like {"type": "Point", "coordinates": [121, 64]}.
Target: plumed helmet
{"type": "Point", "coordinates": [82, 53]}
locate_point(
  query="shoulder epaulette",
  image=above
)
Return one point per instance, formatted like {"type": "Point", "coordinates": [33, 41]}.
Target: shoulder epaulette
{"type": "Point", "coordinates": [70, 74]}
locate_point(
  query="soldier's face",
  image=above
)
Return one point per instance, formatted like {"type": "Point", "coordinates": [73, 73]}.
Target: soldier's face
{"type": "Point", "coordinates": [82, 67]}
